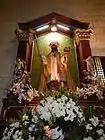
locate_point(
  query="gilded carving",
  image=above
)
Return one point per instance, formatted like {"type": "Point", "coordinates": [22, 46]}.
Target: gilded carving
{"type": "Point", "coordinates": [25, 35]}
{"type": "Point", "coordinates": [82, 34]}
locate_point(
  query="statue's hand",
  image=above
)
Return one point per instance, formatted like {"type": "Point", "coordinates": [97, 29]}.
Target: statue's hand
{"type": "Point", "coordinates": [44, 60]}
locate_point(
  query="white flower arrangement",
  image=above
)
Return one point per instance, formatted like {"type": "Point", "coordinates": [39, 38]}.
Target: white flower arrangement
{"type": "Point", "coordinates": [51, 108]}
{"type": "Point", "coordinates": [93, 86]}
{"type": "Point", "coordinates": [21, 89]}
{"type": "Point", "coordinates": [86, 92]}
{"type": "Point", "coordinates": [55, 119]}
{"type": "Point", "coordinates": [95, 129]}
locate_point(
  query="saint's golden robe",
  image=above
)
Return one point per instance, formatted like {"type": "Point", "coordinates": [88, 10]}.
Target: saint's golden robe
{"type": "Point", "coordinates": [55, 68]}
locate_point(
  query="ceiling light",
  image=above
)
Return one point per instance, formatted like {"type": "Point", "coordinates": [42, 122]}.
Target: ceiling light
{"type": "Point", "coordinates": [42, 28]}
{"type": "Point", "coordinates": [54, 28]}
{"type": "Point", "coordinates": [63, 27]}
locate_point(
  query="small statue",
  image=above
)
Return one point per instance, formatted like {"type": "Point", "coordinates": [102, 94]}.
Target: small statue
{"type": "Point", "coordinates": [89, 64]}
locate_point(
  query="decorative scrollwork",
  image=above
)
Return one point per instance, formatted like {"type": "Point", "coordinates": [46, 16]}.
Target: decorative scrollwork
{"type": "Point", "coordinates": [25, 35]}
{"type": "Point", "coordinates": [83, 34]}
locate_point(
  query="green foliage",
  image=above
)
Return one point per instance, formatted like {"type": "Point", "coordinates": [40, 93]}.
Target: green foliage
{"type": "Point", "coordinates": [58, 93]}
{"type": "Point", "coordinates": [12, 98]}
{"type": "Point", "coordinates": [89, 112]}
{"type": "Point", "coordinates": [12, 120]}
{"type": "Point", "coordinates": [26, 111]}
{"type": "Point", "coordinates": [75, 133]}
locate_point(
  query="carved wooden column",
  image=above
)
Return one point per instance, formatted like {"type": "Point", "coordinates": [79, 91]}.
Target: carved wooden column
{"type": "Point", "coordinates": [82, 40]}
{"type": "Point", "coordinates": [25, 39]}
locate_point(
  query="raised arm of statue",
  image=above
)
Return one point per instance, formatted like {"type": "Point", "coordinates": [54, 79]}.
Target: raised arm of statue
{"type": "Point", "coordinates": [44, 60]}
{"type": "Point", "coordinates": [64, 58]}
{"type": "Point", "coordinates": [66, 72]}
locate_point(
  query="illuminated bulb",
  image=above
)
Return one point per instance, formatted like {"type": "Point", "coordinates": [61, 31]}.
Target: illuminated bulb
{"type": "Point", "coordinates": [53, 28]}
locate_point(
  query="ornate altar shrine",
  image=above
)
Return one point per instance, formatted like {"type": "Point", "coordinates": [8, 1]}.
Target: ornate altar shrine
{"type": "Point", "coordinates": [33, 44]}
{"type": "Point", "coordinates": [58, 73]}
{"type": "Point", "coordinates": [34, 37]}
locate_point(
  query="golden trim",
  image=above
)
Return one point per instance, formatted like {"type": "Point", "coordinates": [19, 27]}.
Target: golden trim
{"type": "Point", "coordinates": [82, 34]}
{"type": "Point", "coordinates": [25, 35]}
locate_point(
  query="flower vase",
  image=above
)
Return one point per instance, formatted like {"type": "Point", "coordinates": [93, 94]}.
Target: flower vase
{"type": "Point", "coordinates": [57, 134]}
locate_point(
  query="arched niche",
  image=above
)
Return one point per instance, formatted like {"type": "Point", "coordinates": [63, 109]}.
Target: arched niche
{"type": "Point", "coordinates": [34, 42]}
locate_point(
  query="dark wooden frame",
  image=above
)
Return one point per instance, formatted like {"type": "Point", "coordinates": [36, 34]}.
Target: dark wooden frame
{"type": "Point", "coordinates": [82, 48]}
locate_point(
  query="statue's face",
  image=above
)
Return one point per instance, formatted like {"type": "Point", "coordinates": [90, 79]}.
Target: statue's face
{"type": "Point", "coordinates": [54, 47]}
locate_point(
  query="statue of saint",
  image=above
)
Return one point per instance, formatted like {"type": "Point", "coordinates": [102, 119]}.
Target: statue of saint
{"type": "Point", "coordinates": [55, 68]}
{"type": "Point", "coordinates": [90, 64]}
